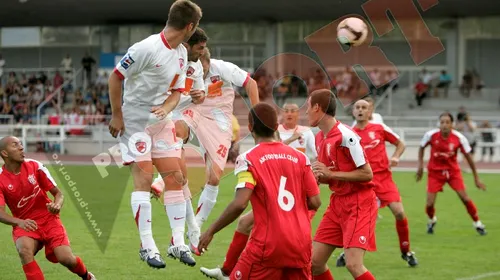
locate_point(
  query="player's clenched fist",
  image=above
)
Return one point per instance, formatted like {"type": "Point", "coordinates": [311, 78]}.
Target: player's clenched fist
{"type": "Point", "coordinates": [116, 126]}
{"type": "Point", "coordinates": [27, 225]}
{"type": "Point", "coordinates": [198, 96]}
{"type": "Point", "coordinates": [54, 208]}
{"type": "Point", "coordinates": [205, 240]}
{"type": "Point", "coordinates": [159, 112]}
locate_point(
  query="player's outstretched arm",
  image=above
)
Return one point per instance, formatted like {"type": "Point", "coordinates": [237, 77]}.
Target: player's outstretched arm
{"type": "Point", "coordinates": [472, 165]}
{"type": "Point", "coordinates": [230, 214]}
{"type": "Point", "coordinates": [253, 91]}
{"type": "Point", "coordinates": [27, 225]}
{"type": "Point", "coordinates": [55, 206]}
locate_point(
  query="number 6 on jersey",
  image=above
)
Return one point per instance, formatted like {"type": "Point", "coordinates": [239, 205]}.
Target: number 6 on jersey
{"type": "Point", "coordinates": [287, 204]}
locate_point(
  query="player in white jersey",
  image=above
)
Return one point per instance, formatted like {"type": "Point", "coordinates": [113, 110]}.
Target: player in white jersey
{"type": "Point", "coordinates": [150, 69]}
{"type": "Point", "coordinates": [296, 136]}
{"type": "Point", "coordinates": [195, 87]}
{"type": "Point", "coordinates": [375, 117]}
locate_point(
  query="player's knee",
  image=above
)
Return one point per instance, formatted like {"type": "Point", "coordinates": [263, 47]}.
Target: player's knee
{"type": "Point", "coordinates": [245, 224]}
{"type": "Point", "coordinates": [400, 215]}
{"type": "Point", "coordinates": [174, 180]}
{"type": "Point", "coordinates": [26, 254]}
{"type": "Point", "coordinates": [68, 261]}
{"type": "Point", "coordinates": [213, 179]}
{"type": "Point", "coordinates": [354, 266]}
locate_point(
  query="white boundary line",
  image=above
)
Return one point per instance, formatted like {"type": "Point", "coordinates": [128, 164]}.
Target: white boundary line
{"type": "Point", "coordinates": [481, 276]}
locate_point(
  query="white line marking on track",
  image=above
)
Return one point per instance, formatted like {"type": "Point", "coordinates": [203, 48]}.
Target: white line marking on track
{"type": "Point", "coordinates": [481, 276]}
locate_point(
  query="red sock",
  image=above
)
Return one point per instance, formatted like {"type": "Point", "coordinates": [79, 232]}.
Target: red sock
{"type": "Point", "coordinates": [233, 253]}
{"type": "Point", "coordinates": [366, 276]}
{"type": "Point", "coordinates": [33, 271]}
{"type": "Point", "coordinates": [327, 275]}
{"type": "Point", "coordinates": [311, 214]}
{"type": "Point", "coordinates": [404, 235]}
{"type": "Point", "coordinates": [79, 268]}
{"type": "Point", "coordinates": [471, 208]}
{"type": "Point", "coordinates": [430, 211]}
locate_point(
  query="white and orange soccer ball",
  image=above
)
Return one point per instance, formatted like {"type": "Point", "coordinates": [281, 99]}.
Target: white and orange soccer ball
{"type": "Point", "coordinates": [352, 31]}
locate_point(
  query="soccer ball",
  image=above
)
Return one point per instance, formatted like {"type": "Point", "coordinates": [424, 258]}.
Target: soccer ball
{"type": "Point", "coordinates": [352, 31]}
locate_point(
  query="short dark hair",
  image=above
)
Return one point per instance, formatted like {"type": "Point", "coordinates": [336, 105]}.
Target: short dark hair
{"type": "Point", "coordinates": [199, 36]}
{"type": "Point", "coordinates": [182, 13]}
{"type": "Point", "coordinates": [446, 114]}
{"type": "Point", "coordinates": [263, 119]}
{"type": "Point", "coordinates": [326, 101]}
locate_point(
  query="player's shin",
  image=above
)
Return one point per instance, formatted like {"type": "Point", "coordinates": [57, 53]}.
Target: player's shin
{"type": "Point", "coordinates": [236, 247]}
{"type": "Point", "coordinates": [33, 271]}
{"type": "Point", "coordinates": [79, 268]}
{"type": "Point", "coordinates": [403, 234]}
{"type": "Point", "coordinates": [206, 203]}
{"type": "Point", "coordinates": [141, 208]}
{"type": "Point", "coordinates": [175, 205]}
{"type": "Point", "coordinates": [193, 229]}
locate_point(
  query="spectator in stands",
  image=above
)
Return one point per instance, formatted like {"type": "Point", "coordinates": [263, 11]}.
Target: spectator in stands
{"type": "Point", "coordinates": [32, 80]}
{"type": "Point", "coordinates": [67, 67]}
{"type": "Point", "coordinates": [462, 112]}
{"type": "Point", "coordinates": [12, 79]}
{"type": "Point", "coordinates": [488, 138]}
{"type": "Point", "coordinates": [42, 77]}
{"type": "Point", "coordinates": [444, 83]}
{"type": "Point", "coordinates": [376, 82]}
{"type": "Point", "coordinates": [467, 83]}
{"type": "Point", "coordinates": [2, 64]}
{"type": "Point", "coordinates": [280, 93]}
{"type": "Point", "coordinates": [58, 80]}
{"type": "Point", "coordinates": [468, 128]}
{"type": "Point", "coordinates": [477, 82]}
{"type": "Point", "coordinates": [421, 91]}
{"type": "Point", "coordinates": [87, 63]}
{"type": "Point", "coordinates": [345, 84]}
{"type": "Point", "coordinates": [426, 77]}
{"type": "Point", "coordinates": [234, 151]}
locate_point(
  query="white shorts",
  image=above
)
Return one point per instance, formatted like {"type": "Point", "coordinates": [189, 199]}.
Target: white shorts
{"type": "Point", "coordinates": [146, 138]}
{"type": "Point", "coordinates": [214, 133]}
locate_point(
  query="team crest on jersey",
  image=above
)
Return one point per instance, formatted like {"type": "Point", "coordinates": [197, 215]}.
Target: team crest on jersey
{"type": "Point", "coordinates": [371, 134]}
{"type": "Point", "coordinates": [140, 146]}
{"type": "Point", "coordinates": [452, 147]}
{"type": "Point", "coordinates": [328, 147]}
{"type": "Point", "coordinates": [190, 71]}
{"type": "Point", "coordinates": [10, 187]}
{"type": "Point", "coordinates": [126, 61]}
{"type": "Point", "coordinates": [31, 179]}
{"type": "Point", "coordinates": [215, 78]}
{"type": "Point", "coordinates": [181, 62]}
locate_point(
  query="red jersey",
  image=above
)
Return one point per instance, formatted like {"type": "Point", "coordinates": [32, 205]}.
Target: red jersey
{"type": "Point", "coordinates": [444, 150]}
{"type": "Point", "coordinates": [373, 138]}
{"type": "Point", "coordinates": [281, 179]}
{"type": "Point", "coordinates": [26, 193]}
{"type": "Point", "coordinates": [341, 150]}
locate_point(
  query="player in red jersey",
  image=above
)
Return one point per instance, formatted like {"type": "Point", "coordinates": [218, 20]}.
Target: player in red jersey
{"type": "Point", "coordinates": [349, 220]}
{"type": "Point", "coordinates": [373, 138]}
{"type": "Point", "coordinates": [24, 184]}
{"type": "Point", "coordinates": [279, 183]}
{"type": "Point", "coordinates": [443, 168]}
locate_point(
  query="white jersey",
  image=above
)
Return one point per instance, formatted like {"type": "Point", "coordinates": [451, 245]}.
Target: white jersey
{"type": "Point", "coordinates": [151, 68]}
{"type": "Point", "coordinates": [220, 79]}
{"type": "Point", "coordinates": [306, 144]}
{"type": "Point", "coordinates": [376, 118]}
{"type": "Point", "coordinates": [194, 81]}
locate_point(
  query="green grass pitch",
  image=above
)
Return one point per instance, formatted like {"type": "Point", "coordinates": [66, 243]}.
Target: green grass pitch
{"type": "Point", "coordinates": [455, 251]}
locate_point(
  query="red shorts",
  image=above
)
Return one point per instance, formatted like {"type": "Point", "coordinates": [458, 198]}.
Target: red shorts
{"type": "Point", "coordinates": [349, 221]}
{"type": "Point", "coordinates": [246, 269]}
{"type": "Point", "coordinates": [50, 233]}
{"type": "Point", "coordinates": [385, 188]}
{"type": "Point", "coordinates": [437, 178]}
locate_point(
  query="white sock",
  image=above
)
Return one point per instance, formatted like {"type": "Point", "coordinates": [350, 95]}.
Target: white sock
{"type": "Point", "coordinates": [206, 203]}
{"type": "Point", "coordinates": [175, 205]}
{"type": "Point", "coordinates": [190, 218]}
{"type": "Point", "coordinates": [141, 208]}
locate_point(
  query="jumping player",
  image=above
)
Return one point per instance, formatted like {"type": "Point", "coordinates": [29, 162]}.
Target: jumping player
{"type": "Point", "coordinates": [150, 69]}
{"type": "Point", "coordinates": [296, 136]}
{"type": "Point", "coordinates": [24, 184]}
{"type": "Point", "coordinates": [443, 168]}
{"type": "Point", "coordinates": [279, 183]}
{"type": "Point", "coordinates": [349, 220]}
{"type": "Point", "coordinates": [373, 138]}
{"type": "Point", "coordinates": [194, 94]}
